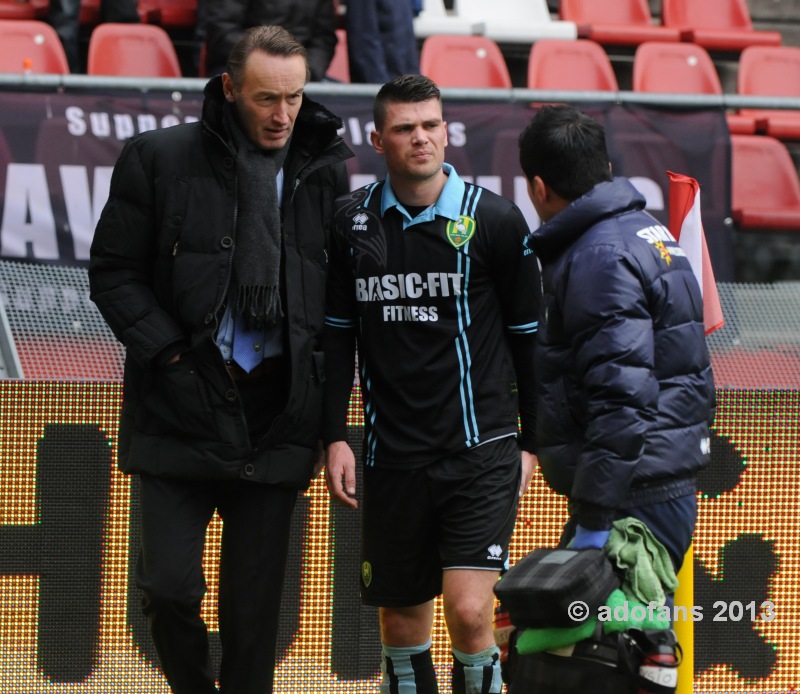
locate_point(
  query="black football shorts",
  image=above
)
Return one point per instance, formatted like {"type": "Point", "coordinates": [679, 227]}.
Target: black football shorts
{"type": "Point", "coordinates": [455, 513]}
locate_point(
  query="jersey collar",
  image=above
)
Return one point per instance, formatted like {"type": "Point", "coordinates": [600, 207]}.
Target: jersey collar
{"type": "Point", "coordinates": [448, 205]}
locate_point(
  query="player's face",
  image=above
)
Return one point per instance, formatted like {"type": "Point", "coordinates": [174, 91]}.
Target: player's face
{"type": "Point", "coordinates": [412, 140]}
{"type": "Point", "coordinates": [269, 97]}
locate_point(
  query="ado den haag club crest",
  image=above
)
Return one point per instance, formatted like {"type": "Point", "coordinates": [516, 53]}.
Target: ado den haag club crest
{"type": "Point", "coordinates": [460, 231]}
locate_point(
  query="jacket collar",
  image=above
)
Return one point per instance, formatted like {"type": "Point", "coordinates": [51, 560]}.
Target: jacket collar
{"type": "Point", "coordinates": [606, 199]}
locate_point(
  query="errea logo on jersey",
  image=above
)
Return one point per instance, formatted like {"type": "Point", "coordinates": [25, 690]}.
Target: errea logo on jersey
{"type": "Point", "coordinates": [360, 222]}
{"type": "Point", "coordinates": [495, 551]}
{"type": "Point", "coordinates": [460, 231]}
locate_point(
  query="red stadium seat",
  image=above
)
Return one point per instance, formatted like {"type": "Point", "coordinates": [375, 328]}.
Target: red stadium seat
{"type": "Point", "coordinates": [718, 25]}
{"type": "Point", "coordinates": [23, 9]}
{"type": "Point", "coordinates": [29, 45]}
{"type": "Point", "coordinates": [169, 13]}
{"type": "Point", "coordinates": [771, 71]}
{"type": "Point", "coordinates": [572, 65]}
{"type": "Point", "coordinates": [90, 12]}
{"type": "Point", "coordinates": [616, 22]}
{"type": "Point", "coordinates": [765, 191]}
{"type": "Point", "coordinates": [132, 50]}
{"type": "Point", "coordinates": [463, 61]}
{"type": "Point", "coordinates": [682, 68]}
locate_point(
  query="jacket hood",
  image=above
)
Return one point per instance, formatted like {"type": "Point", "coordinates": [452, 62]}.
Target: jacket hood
{"type": "Point", "coordinates": [315, 128]}
{"type": "Point", "coordinates": [606, 199]}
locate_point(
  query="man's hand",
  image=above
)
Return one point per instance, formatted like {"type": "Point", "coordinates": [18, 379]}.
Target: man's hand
{"type": "Point", "coordinates": [529, 463]}
{"type": "Point", "coordinates": [588, 539]}
{"type": "Point", "coordinates": [340, 474]}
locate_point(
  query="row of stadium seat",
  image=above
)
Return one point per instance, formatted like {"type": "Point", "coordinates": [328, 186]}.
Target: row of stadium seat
{"type": "Point", "coordinates": [166, 13]}
{"type": "Point", "coordinates": [582, 64]}
{"type": "Point", "coordinates": [718, 25]}
{"type": "Point", "coordinates": [459, 61]}
{"type": "Point", "coordinates": [724, 25]}
{"type": "Point", "coordinates": [134, 50]}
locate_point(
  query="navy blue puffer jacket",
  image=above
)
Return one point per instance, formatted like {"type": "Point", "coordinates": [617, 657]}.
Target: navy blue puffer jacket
{"type": "Point", "coordinates": [626, 393]}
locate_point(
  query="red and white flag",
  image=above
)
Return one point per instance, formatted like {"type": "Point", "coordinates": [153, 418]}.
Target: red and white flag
{"type": "Point", "coordinates": [686, 225]}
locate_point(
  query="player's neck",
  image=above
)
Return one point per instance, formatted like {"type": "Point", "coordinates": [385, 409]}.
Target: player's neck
{"type": "Point", "coordinates": [416, 193]}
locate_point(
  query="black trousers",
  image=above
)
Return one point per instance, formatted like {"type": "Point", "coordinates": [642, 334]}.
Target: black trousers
{"type": "Point", "coordinates": [255, 538]}
{"type": "Point", "coordinates": [256, 519]}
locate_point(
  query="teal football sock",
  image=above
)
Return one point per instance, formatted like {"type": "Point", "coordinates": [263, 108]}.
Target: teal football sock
{"type": "Point", "coordinates": [408, 670]}
{"type": "Point", "coordinates": [477, 673]}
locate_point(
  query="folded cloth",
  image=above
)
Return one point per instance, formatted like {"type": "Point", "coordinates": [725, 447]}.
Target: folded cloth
{"type": "Point", "coordinates": [621, 613]}
{"type": "Point", "coordinates": [618, 614]}
{"type": "Point", "coordinates": [646, 566]}
{"type": "Point", "coordinates": [548, 638]}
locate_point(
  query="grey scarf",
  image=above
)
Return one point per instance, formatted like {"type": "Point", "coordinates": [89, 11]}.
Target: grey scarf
{"type": "Point", "coordinates": [257, 254]}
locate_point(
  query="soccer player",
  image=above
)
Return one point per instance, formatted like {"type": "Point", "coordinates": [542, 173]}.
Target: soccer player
{"type": "Point", "coordinates": [429, 275]}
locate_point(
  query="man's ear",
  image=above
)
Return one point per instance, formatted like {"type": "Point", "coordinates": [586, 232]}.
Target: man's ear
{"type": "Point", "coordinates": [227, 87]}
{"type": "Point", "coordinates": [541, 196]}
{"type": "Point", "coordinates": [529, 186]}
{"type": "Point", "coordinates": [375, 139]}
{"type": "Point", "coordinates": [539, 191]}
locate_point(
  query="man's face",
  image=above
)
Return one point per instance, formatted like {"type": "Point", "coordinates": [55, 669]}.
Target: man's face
{"type": "Point", "coordinates": [412, 140]}
{"type": "Point", "coordinates": [268, 98]}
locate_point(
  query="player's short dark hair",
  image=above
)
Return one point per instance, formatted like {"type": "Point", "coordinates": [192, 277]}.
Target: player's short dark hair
{"type": "Point", "coordinates": [404, 89]}
{"type": "Point", "coordinates": [566, 148]}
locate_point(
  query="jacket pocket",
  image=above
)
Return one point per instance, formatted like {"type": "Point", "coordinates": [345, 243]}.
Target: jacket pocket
{"type": "Point", "coordinates": [176, 402]}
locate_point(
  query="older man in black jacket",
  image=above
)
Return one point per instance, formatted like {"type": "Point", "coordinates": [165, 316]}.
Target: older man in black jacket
{"type": "Point", "coordinates": [209, 264]}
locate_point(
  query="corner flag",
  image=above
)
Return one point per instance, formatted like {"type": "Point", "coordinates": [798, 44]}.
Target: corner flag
{"type": "Point", "coordinates": [686, 225]}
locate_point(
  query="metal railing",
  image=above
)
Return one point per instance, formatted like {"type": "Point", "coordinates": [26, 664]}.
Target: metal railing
{"type": "Point", "coordinates": [194, 84]}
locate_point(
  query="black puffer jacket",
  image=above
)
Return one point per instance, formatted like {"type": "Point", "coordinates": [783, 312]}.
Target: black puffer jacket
{"type": "Point", "coordinates": [160, 268]}
{"type": "Point", "coordinates": [311, 22]}
{"type": "Point", "coordinates": [626, 393]}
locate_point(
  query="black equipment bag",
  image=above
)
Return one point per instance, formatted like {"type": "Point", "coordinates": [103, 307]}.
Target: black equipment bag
{"type": "Point", "coordinates": [542, 588]}
{"type": "Point", "coordinates": [593, 667]}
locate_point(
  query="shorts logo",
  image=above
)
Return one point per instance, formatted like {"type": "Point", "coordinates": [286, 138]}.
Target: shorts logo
{"type": "Point", "coordinates": [460, 231]}
{"type": "Point", "coordinates": [495, 551]}
{"type": "Point", "coordinates": [366, 573]}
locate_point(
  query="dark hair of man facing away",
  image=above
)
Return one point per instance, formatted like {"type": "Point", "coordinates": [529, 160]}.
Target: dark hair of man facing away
{"type": "Point", "coordinates": [272, 40]}
{"type": "Point", "coordinates": [566, 149]}
{"type": "Point", "coordinates": [404, 89]}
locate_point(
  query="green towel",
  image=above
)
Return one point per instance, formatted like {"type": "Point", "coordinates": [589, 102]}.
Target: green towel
{"type": "Point", "coordinates": [646, 566]}
{"type": "Point", "coordinates": [622, 613]}
{"type": "Point", "coordinates": [548, 638]}
{"type": "Point", "coordinates": [618, 614]}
